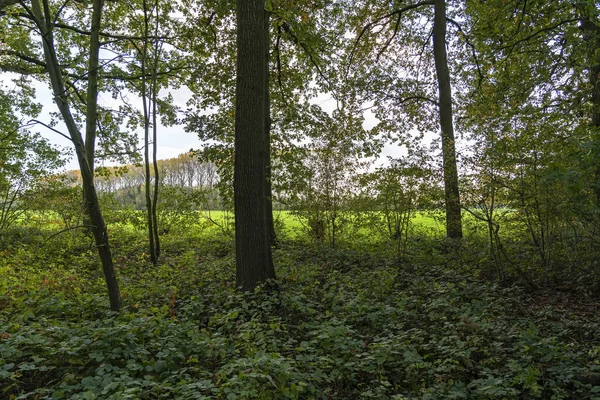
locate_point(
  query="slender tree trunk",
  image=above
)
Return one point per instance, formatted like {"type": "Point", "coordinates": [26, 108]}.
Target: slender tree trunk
{"type": "Point", "coordinates": [147, 183]}
{"type": "Point", "coordinates": [253, 251]}
{"type": "Point", "coordinates": [92, 92]}
{"type": "Point", "coordinates": [268, 188]}
{"type": "Point", "coordinates": [145, 97]}
{"type": "Point", "coordinates": [590, 25]}
{"type": "Point", "coordinates": [155, 136]}
{"type": "Point", "coordinates": [452, 197]}
{"type": "Point", "coordinates": [155, 162]}
{"type": "Point", "coordinates": [44, 21]}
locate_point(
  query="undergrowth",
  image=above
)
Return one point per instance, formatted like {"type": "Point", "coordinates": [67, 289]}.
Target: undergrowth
{"type": "Point", "coordinates": [341, 324]}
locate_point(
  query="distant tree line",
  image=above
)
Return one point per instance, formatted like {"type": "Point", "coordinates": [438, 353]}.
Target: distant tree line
{"type": "Point", "coordinates": [126, 183]}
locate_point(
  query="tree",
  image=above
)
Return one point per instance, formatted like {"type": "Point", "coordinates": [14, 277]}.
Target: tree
{"type": "Point", "coordinates": [301, 40]}
{"type": "Point", "coordinates": [149, 99]}
{"type": "Point", "coordinates": [41, 14]}
{"type": "Point", "coordinates": [253, 251]}
{"type": "Point", "coordinates": [322, 187]}
{"type": "Point", "coordinates": [401, 87]}
{"type": "Point", "coordinates": [151, 31]}
{"type": "Point", "coordinates": [590, 26]}
{"type": "Point", "coordinates": [393, 194]}
{"type": "Point", "coordinates": [452, 196]}
{"type": "Point", "coordinates": [529, 109]}
{"type": "Point", "coordinates": [26, 159]}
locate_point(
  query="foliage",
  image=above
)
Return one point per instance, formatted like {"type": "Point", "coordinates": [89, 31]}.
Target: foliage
{"type": "Point", "coordinates": [178, 208]}
{"type": "Point", "coordinates": [26, 161]}
{"type": "Point", "coordinates": [325, 183]}
{"type": "Point", "coordinates": [386, 309]}
{"type": "Point", "coordinates": [392, 195]}
{"type": "Point", "coordinates": [59, 195]}
{"type": "Point", "coordinates": [343, 324]}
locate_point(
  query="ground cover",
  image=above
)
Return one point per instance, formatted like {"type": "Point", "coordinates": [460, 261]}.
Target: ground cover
{"type": "Point", "coordinates": [338, 323]}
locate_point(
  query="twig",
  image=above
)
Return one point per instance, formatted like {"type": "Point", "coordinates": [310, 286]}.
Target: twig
{"type": "Point", "coordinates": [35, 121]}
{"type": "Point", "coordinates": [370, 25]}
{"type": "Point", "coordinates": [70, 229]}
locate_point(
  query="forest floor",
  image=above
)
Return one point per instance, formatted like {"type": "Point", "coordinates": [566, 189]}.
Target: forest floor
{"type": "Point", "coordinates": [349, 323]}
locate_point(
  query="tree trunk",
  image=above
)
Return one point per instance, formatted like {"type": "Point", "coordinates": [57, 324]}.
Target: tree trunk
{"type": "Point", "coordinates": [44, 21]}
{"type": "Point", "coordinates": [154, 94]}
{"type": "Point", "coordinates": [155, 149]}
{"type": "Point", "coordinates": [268, 188]}
{"type": "Point", "coordinates": [595, 81]}
{"type": "Point", "coordinates": [452, 197]}
{"type": "Point", "coordinates": [92, 92]}
{"type": "Point", "coordinates": [591, 34]}
{"type": "Point", "coordinates": [253, 251]}
{"type": "Point", "coordinates": [145, 96]}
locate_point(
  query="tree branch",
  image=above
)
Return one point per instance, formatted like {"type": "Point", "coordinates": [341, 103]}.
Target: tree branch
{"type": "Point", "coordinates": [288, 29]}
{"type": "Point", "coordinates": [84, 226]}
{"type": "Point", "coordinates": [389, 41]}
{"type": "Point", "coordinates": [35, 121]}
{"type": "Point", "coordinates": [371, 24]}
{"type": "Point", "coordinates": [537, 33]}
{"type": "Point", "coordinates": [401, 100]}
{"type": "Point", "coordinates": [6, 3]}
{"type": "Point", "coordinates": [278, 62]}
{"type": "Point", "coordinates": [35, 61]}
{"type": "Point", "coordinates": [84, 32]}
{"type": "Point", "coordinates": [473, 51]}
{"type": "Point", "coordinates": [20, 70]}
{"type": "Point", "coordinates": [24, 57]}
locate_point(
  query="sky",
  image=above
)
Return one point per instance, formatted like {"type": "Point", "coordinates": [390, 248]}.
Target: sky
{"type": "Point", "coordinates": [172, 141]}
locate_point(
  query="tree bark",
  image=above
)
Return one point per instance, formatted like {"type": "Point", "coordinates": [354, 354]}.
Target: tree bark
{"type": "Point", "coordinates": [452, 195]}
{"type": "Point", "coordinates": [154, 145]}
{"type": "Point", "coordinates": [254, 263]}
{"type": "Point", "coordinates": [147, 100]}
{"type": "Point", "coordinates": [268, 188]}
{"type": "Point", "coordinates": [44, 21]}
{"type": "Point", "coordinates": [92, 92]}
{"type": "Point", "coordinates": [590, 25]}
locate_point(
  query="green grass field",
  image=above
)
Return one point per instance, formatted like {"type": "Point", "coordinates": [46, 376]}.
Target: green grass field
{"type": "Point", "coordinates": [288, 223]}
{"type": "Point", "coordinates": [292, 221]}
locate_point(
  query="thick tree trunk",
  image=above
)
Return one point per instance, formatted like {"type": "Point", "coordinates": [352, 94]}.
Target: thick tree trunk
{"type": "Point", "coordinates": [253, 251]}
{"type": "Point", "coordinates": [268, 188]}
{"type": "Point", "coordinates": [595, 81]}
{"type": "Point", "coordinates": [452, 196]}
{"type": "Point", "coordinates": [43, 18]}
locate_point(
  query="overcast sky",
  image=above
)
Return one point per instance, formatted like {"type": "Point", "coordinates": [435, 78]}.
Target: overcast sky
{"type": "Point", "coordinates": [172, 141]}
